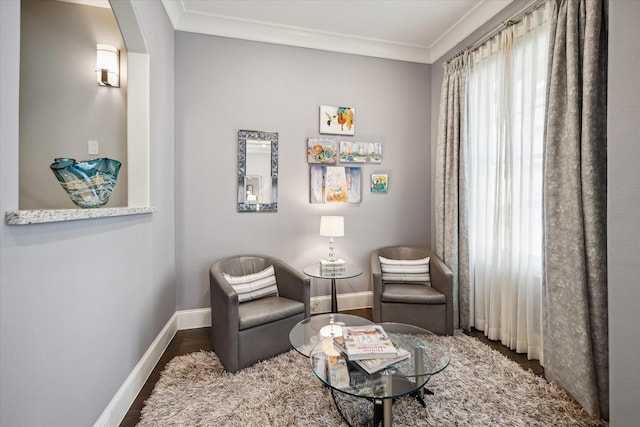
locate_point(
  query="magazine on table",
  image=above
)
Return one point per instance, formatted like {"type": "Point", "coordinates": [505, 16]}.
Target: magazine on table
{"type": "Point", "coordinates": [371, 366]}
{"type": "Point", "coordinates": [365, 342]}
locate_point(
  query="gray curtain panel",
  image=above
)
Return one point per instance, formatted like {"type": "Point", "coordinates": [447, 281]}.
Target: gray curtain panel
{"type": "Point", "coordinates": [575, 191]}
{"type": "Point", "coordinates": [450, 209]}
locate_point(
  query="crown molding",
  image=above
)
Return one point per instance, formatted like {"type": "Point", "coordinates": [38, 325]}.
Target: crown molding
{"type": "Point", "coordinates": [462, 29]}
{"type": "Point", "coordinates": [95, 3]}
{"type": "Point", "coordinates": [223, 26]}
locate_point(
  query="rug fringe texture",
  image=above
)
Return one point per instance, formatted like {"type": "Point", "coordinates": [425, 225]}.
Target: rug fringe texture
{"type": "Point", "coordinates": [480, 387]}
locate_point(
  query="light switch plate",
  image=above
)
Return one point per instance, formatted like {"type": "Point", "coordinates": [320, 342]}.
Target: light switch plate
{"type": "Point", "coordinates": [93, 147]}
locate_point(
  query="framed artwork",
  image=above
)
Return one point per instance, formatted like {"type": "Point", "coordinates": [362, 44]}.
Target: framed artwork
{"type": "Point", "coordinates": [322, 150]}
{"type": "Point", "coordinates": [316, 183]}
{"type": "Point", "coordinates": [337, 120]}
{"type": "Point", "coordinates": [379, 183]}
{"type": "Point", "coordinates": [360, 152]}
{"type": "Point", "coordinates": [335, 184]}
{"type": "Point", "coordinates": [354, 184]}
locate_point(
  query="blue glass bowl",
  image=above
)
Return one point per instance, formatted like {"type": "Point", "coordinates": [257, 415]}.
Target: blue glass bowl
{"type": "Point", "coordinates": [88, 183]}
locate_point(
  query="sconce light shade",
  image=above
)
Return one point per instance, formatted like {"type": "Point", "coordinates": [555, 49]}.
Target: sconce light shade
{"type": "Point", "coordinates": [332, 226]}
{"type": "Point", "coordinates": [108, 65]}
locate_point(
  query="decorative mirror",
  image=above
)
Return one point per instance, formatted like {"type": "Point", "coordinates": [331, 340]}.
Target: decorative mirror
{"type": "Point", "coordinates": [257, 171]}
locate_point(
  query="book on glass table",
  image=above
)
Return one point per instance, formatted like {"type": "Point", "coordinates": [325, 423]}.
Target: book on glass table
{"type": "Point", "coordinates": [332, 267]}
{"type": "Point", "coordinates": [365, 342]}
{"type": "Point", "coordinates": [371, 366]}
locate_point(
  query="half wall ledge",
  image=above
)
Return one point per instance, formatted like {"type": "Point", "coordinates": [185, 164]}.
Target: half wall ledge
{"type": "Point", "coordinates": [25, 217]}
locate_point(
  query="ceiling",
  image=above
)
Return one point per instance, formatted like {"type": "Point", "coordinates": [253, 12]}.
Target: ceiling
{"type": "Point", "coordinates": [408, 30]}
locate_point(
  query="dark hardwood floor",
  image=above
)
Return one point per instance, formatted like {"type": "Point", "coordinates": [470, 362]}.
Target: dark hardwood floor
{"type": "Point", "coordinates": [191, 340]}
{"type": "Point", "coordinates": [184, 342]}
{"type": "Point", "coordinates": [519, 358]}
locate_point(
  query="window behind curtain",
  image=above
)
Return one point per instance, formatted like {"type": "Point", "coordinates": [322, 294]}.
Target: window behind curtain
{"type": "Point", "coordinates": [503, 158]}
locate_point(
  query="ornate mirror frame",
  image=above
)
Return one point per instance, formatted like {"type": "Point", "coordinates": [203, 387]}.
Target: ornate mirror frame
{"type": "Point", "coordinates": [243, 203]}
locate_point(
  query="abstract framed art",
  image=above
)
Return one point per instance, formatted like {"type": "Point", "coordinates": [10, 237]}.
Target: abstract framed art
{"type": "Point", "coordinates": [360, 152]}
{"type": "Point", "coordinates": [337, 120]}
{"type": "Point", "coordinates": [322, 150]}
{"type": "Point", "coordinates": [330, 184]}
{"type": "Point", "coordinates": [379, 183]}
{"type": "Point", "coordinates": [335, 185]}
{"type": "Point", "coordinates": [354, 184]}
{"type": "Point", "coordinates": [316, 183]}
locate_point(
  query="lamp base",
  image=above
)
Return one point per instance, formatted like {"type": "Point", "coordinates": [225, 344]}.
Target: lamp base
{"type": "Point", "coordinates": [331, 330]}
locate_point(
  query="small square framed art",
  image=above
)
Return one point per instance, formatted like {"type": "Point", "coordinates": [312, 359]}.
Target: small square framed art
{"type": "Point", "coordinates": [379, 183]}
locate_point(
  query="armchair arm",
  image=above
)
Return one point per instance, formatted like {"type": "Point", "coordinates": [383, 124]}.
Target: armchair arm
{"type": "Point", "coordinates": [293, 284]}
{"type": "Point", "coordinates": [442, 280]}
{"type": "Point", "coordinates": [376, 283]}
{"type": "Point", "coordinates": [225, 319]}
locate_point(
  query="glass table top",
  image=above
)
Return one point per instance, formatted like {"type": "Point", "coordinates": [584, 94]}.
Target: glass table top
{"type": "Point", "coordinates": [349, 271]}
{"type": "Point", "coordinates": [306, 334]}
{"type": "Point", "coordinates": [429, 354]}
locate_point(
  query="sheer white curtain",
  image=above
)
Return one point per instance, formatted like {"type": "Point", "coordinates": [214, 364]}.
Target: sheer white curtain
{"type": "Point", "coordinates": [505, 110]}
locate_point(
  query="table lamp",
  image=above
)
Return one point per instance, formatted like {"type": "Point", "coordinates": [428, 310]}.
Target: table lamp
{"type": "Point", "coordinates": [331, 226]}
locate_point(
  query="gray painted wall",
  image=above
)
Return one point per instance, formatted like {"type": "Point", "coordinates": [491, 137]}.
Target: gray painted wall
{"type": "Point", "coordinates": [224, 85]}
{"type": "Point", "coordinates": [62, 106]}
{"type": "Point", "coordinates": [81, 301]}
{"type": "Point", "coordinates": [623, 211]}
{"type": "Point", "coordinates": [623, 197]}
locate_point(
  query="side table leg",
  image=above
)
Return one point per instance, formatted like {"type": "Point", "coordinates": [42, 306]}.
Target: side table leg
{"type": "Point", "coordinates": [334, 297]}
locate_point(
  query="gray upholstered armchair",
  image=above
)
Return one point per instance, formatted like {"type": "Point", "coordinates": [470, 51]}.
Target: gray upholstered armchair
{"type": "Point", "coordinates": [410, 301]}
{"type": "Point", "coordinates": [243, 333]}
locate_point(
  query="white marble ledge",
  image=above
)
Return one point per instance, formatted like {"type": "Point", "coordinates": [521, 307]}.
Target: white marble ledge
{"type": "Point", "coordinates": [24, 217]}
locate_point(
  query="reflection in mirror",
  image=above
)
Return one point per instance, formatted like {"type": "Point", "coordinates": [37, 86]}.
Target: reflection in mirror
{"type": "Point", "coordinates": [257, 171]}
{"type": "Point", "coordinates": [62, 113]}
{"type": "Point", "coordinates": [253, 187]}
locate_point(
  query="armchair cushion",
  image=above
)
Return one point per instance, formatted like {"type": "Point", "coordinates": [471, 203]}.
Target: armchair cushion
{"type": "Point", "coordinates": [411, 294]}
{"type": "Point", "coordinates": [267, 310]}
{"type": "Point", "coordinates": [405, 270]}
{"type": "Point", "coordinates": [253, 286]}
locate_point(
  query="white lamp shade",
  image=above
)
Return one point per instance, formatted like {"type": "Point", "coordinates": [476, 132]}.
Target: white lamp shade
{"type": "Point", "coordinates": [107, 65]}
{"type": "Point", "coordinates": [332, 226]}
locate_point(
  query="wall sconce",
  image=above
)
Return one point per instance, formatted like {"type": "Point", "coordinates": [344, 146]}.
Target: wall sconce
{"type": "Point", "coordinates": [108, 65]}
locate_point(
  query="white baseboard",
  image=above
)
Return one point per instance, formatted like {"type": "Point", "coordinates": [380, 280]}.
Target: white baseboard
{"type": "Point", "coordinates": [352, 301]}
{"type": "Point", "coordinates": [116, 410]}
{"type": "Point", "coordinates": [197, 318]}
{"type": "Point", "coordinates": [189, 319]}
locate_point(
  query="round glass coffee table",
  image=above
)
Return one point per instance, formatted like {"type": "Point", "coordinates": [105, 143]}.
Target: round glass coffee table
{"type": "Point", "coordinates": [429, 354]}
{"type": "Point", "coordinates": [307, 333]}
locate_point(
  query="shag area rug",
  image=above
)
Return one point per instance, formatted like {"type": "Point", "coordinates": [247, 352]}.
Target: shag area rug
{"type": "Point", "coordinates": [480, 387]}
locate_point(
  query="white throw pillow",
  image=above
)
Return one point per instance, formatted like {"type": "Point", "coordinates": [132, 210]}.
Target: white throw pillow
{"type": "Point", "coordinates": [405, 270]}
{"type": "Point", "coordinates": [253, 286]}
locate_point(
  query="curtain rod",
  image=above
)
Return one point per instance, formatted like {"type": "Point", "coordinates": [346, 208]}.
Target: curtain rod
{"type": "Point", "coordinates": [530, 7]}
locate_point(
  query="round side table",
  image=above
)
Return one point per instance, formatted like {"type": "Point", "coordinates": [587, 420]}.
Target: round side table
{"type": "Point", "coordinates": [349, 271]}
